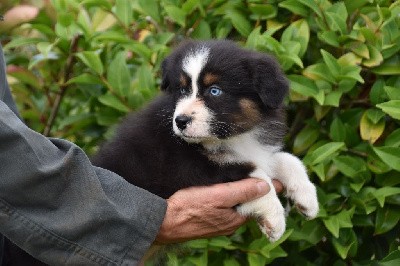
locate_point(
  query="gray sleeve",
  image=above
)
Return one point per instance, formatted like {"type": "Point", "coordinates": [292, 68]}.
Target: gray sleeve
{"type": "Point", "coordinates": [58, 207]}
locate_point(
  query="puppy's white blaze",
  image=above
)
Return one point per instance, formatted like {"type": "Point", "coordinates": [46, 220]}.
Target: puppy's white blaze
{"type": "Point", "coordinates": [193, 63]}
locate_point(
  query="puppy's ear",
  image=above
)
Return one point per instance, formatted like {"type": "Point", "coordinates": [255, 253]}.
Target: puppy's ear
{"type": "Point", "coordinates": [165, 82]}
{"type": "Point", "coordinates": [269, 80]}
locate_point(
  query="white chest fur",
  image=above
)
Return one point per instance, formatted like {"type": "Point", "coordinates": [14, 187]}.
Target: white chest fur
{"type": "Point", "coordinates": [270, 164]}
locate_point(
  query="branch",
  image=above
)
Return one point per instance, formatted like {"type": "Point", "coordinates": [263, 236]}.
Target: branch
{"type": "Point", "coordinates": [63, 87]}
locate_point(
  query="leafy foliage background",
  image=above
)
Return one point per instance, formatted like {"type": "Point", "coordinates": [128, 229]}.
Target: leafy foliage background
{"type": "Point", "coordinates": [87, 63]}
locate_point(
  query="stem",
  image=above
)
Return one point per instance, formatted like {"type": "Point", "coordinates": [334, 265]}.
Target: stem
{"type": "Point", "coordinates": [63, 86]}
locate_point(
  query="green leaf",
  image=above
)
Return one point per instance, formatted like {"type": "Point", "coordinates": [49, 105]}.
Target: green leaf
{"type": "Point", "coordinates": [392, 92]}
{"type": "Point", "coordinates": [389, 155]}
{"type": "Point", "coordinates": [176, 14]}
{"type": "Point", "coordinates": [255, 259]}
{"type": "Point", "coordinates": [231, 262]}
{"type": "Point", "coordinates": [150, 8]}
{"type": "Point", "coordinates": [346, 243]}
{"type": "Point", "coordinates": [198, 243]}
{"type": "Point", "coordinates": [85, 78]}
{"type": "Point", "coordinates": [203, 31]}
{"type": "Point", "coordinates": [370, 131]}
{"type": "Point", "coordinates": [331, 63]}
{"type": "Point", "coordinates": [352, 73]}
{"type": "Point", "coordinates": [318, 72]}
{"type": "Point", "coordinates": [336, 21]}
{"type": "Point", "coordinates": [97, 3]}
{"type": "Point", "coordinates": [306, 87]}
{"type": "Point", "coordinates": [392, 108]}
{"type": "Point", "coordinates": [360, 49]}
{"type": "Point", "coordinates": [112, 101]}
{"type": "Point", "coordinates": [92, 60]}
{"type": "Point", "coordinates": [333, 98]}
{"type": "Point", "coordinates": [17, 42]}
{"type": "Point", "coordinates": [375, 57]}
{"type": "Point", "coordinates": [376, 165]}
{"type": "Point", "coordinates": [393, 139]}
{"type": "Point", "coordinates": [145, 77]}
{"type": "Point", "coordinates": [239, 21]}
{"type": "Point", "coordinates": [313, 5]}
{"type": "Point", "coordinates": [374, 115]}
{"type": "Point", "coordinates": [390, 66]}
{"type": "Point", "coordinates": [74, 120]}
{"type": "Point", "coordinates": [295, 6]}
{"type": "Point", "coordinates": [224, 27]}
{"type": "Point", "coordinates": [393, 259]}
{"type": "Point", "coordinates": [220, 241]}
{"type": "Point", "coordinates": [310, 231]}
{"type": "Point", "coordinates": [306, 137]}
{"type": "Point", "coordinates": [298, 31]}
{"type": "Point", "coordinates": [118, 75]}
{"type": "Point", "coordinates": [350, 165]}
{"type": "Point", "coordinates": [381, 194]}
{"type": "Point", "coordinates": [329, 37]}
{"type": "Point", "coordinates": [322, 153]}
{"type": "Point", "coordinates": [337, 130]}
{"type": "Point", "coordinates": [190, 5]}
{"type": "Point", "coordinates": [123, 10]}
{"type": "Point", "coordinates": [386, 219]}
{"type": "Point", "coordinates": [262, 11]}
{"type": "Point", "coordinates": [319, 169]}
{"type": "Point", "coordinates": [377, 93]}
{"type": "Point", "coordinates": [341, 220]}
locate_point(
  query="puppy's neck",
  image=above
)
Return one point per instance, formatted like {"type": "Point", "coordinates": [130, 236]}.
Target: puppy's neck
{"type": "Point", "coordinates": [235, 149]}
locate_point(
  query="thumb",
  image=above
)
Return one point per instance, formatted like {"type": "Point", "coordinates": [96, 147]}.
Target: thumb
{"type": "Point", "coordinates": [245, 190]}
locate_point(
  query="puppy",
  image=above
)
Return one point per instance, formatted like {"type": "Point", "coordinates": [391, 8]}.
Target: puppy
{"type": "Point", "coordinates": [219, 119]}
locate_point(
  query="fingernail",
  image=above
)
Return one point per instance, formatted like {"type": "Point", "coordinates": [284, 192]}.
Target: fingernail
{"type": "Point", "coordinates": [263, 187]}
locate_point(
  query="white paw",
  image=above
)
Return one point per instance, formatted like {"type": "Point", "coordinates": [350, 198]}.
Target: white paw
{"type": "Point", "coordinates": [269, 213]}
{"type": "Point", "coordinates": [273, 227]}
{"type": "Point", "coordinates": [306, 201]}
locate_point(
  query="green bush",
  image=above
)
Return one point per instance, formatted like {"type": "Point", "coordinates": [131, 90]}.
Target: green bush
{"type": "Point", "coordinates": [88, 63]}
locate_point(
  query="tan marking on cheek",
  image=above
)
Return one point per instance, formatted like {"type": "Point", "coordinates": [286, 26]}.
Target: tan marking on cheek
{"type": "Point", "coordinates": [250, 115]}
{"type": "Point", "coordinates": [210, 79]}
{"type": "Point", "coordinates": [183, 81]}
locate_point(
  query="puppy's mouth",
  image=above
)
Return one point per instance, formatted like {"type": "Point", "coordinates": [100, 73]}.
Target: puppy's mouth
{"type": "Point", "coordinates": [192, 138]}
{"type": "Point", "coordinates": [191, 134]}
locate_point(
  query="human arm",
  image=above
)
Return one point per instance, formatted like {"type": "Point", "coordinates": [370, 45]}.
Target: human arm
{"type": "Point", "coordinates": [58, 207]}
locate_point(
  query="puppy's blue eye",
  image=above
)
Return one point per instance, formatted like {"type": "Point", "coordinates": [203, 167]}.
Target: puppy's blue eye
{"type": "Point", "coordinates": [215, 91]}
{"type": "Point", "coordinates": [183, 90]}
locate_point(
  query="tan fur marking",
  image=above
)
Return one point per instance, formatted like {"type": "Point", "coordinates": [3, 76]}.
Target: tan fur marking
{"type": "Point", "coordinates": [250, 115]}
{"type": "Point", "coordinates": [183, 81]}
{"type": "Point", "coordinates": [210, 79]}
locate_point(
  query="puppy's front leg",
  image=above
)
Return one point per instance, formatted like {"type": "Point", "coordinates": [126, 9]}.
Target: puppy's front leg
{"type": "Point", "coordinates": [291, 172]}
{"type": "Point", "coordinates": [268, 210]}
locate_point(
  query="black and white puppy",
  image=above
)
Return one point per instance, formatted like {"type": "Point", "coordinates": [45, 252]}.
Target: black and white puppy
{"type": "Point", "coordinates": [219, 119]}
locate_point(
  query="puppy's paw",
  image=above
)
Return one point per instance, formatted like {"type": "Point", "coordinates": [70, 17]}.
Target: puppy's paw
{"type": "Point", "coordinates": [272, 227]}
{"type": "Point", "coordinates": [269, 213]}
{"type": "Point", "coordinates": [306, 201]}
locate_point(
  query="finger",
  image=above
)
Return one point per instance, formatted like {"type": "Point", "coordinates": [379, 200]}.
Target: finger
{"type": "Point", "coordinates": [245, 190]}
{"type": "Point", "coordinates": [277, 185]}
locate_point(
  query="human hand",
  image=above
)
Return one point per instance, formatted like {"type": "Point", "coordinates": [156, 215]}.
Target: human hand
{"type": "Point", "coordinates": [201, 212]}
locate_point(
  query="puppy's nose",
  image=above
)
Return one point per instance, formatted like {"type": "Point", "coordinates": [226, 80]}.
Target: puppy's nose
{"type": "Point", "coordinates": [182, 121]}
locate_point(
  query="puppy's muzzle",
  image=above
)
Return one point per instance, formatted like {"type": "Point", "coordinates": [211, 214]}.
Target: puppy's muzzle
{"type": "Point", "coordinates": [182, 121]}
